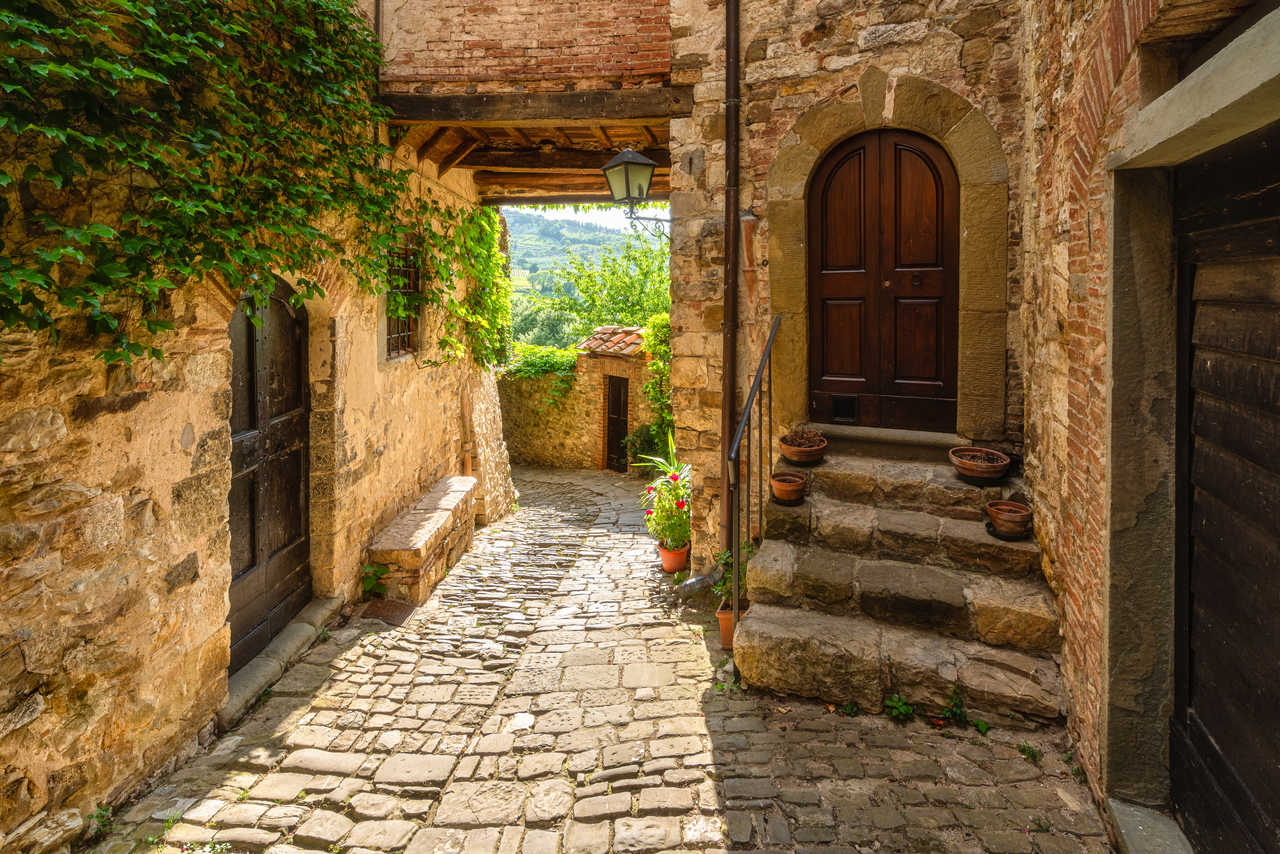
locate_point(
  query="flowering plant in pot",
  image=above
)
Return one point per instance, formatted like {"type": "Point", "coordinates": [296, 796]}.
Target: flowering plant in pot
{"type": "Point", "coordinates": [668, 516]}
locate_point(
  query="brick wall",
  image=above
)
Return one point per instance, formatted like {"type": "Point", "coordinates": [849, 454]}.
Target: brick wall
{"type": "Point", "coordinates": [1087, 82]}
{"type": "Point", "coordinates": [550, 44]}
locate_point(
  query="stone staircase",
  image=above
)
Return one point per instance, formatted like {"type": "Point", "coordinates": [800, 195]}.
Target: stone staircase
{"type": "Point", "coordinates": [885, 581]}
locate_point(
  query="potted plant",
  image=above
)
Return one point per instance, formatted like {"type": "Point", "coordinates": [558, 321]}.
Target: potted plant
{"type": "Point", "coordinates": [803, 447]}
{"type": "Point", "coordinates": [788, 487]}
{"type": "Point", "coordinates": [1010, 520]}
{"type": "Point", "coordinates": [724, 589]}
{"type": "Point", "coordinates": [981, 464]}
{"type": "Point", "coordinates": [668, 515]}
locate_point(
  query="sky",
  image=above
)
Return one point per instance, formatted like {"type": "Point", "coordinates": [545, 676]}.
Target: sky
{"type": "Point", "coordinates": [613, 216]}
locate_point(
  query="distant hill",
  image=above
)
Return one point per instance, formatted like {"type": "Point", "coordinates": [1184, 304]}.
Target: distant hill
{"type": "Point", "coordinates": [539, 243]}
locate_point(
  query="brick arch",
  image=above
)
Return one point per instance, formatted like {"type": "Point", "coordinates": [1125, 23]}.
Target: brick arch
{"type": "Point", "coordinates": [910, 103]}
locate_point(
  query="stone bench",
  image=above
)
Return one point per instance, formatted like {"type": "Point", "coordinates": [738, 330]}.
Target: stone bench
{"type": "Point", "coordinates": [423, 542]}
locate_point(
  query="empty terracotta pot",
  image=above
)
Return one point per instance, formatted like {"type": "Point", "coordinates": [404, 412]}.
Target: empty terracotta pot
{"type": "Point", "coordinates": [980, 463]}
{"type": "Point", "coordinates": [1009, 518]}
{"type": "Point", "coordinates": [803, 456]}
{"type": "Point", "coordinates": [788, 487]}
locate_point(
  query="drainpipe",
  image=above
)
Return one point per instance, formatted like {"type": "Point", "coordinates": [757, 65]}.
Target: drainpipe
{"type": "Point", "coordinates": [729, 390]}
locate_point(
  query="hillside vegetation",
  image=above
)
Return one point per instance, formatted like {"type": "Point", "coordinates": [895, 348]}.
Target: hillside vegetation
{"type": "Point", "coordinates": [539, 244]}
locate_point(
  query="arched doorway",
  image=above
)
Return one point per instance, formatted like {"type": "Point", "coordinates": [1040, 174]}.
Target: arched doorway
{"type": "Point", "coordinates": [883, 238]}
{"type": "Point", "coordinates": [270, 543]}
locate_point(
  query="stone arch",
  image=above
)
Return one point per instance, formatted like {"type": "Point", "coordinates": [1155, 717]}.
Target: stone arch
{"type": "Point", "coordinates": [910, 103]}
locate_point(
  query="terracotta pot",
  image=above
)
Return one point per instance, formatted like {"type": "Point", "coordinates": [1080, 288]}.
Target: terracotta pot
{"type": "Point", "coordinates": [725, 615]}
{"type": "Point", "coordinates": [673, 561]}
{"type": "Point", "coordinates": [803, 456]}
{"type": "Point", "coordinates": [979, 463]}
{"type": "Point", "coordinates": [788, 487]}
{"type": "Point", "coordinates": [1009, 518]}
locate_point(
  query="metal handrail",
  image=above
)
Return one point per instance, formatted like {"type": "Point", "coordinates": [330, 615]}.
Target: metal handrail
{"type": "Point", "coordinates": [754, 405]}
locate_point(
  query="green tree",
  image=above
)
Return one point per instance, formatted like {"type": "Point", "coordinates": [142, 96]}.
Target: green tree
{"type": "Point", "coordinates": [624, 287]}
{"type": "Point", "coordinates": [534, 323]}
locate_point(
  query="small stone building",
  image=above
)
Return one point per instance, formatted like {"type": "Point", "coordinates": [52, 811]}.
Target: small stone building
{"type": "Point", "coordinates": [584, 425]}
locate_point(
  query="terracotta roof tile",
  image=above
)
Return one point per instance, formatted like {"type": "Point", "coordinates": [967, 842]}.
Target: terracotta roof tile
{"type": "Point", "coordinates": [614, 341]}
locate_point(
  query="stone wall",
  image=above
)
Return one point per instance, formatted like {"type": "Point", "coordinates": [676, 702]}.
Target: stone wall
{"type": "Point", "coordinates": [114, 550]}
{"type": "Point", "coordinates": [925, 66]}
{"type": "Point", "coordinates": [1095, 68]}
{"type": "Point", "coordinates": [569, 432]}
{"type": "Point", "coordinates": [455, 46]}
{"type": "Point", "coordinates": [114, 528]}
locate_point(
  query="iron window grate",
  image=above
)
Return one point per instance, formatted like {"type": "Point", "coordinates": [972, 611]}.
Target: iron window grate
{"type": "Point", "coordinates": [402, 332]}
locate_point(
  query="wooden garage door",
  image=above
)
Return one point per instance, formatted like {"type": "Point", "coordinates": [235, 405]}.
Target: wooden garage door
{"type": "Point", "coordinates": [1226, 747]}
{"type": "Point", "coordinates": [271, 576]}
{"type": "Point", "coordinates": [884, 227]}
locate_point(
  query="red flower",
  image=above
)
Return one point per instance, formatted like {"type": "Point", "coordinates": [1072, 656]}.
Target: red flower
{"type": "Point", "coordinates": [651, 489]}
{"type": "Point", "coordinates": [680, 505]}
{"type": "Point", "coordinates": [648, 512]}
{"type": "Point", "coordinates": [674, 477]}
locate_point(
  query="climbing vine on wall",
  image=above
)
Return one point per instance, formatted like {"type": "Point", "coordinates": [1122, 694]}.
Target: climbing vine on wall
{"type": "Point", "coordinates": [144, 145]}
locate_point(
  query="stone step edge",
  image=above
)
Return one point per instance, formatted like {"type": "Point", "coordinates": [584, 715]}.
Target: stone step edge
{"type": "Point", "coordinates": [855, 659]}
{"type": "Point", "coordinates": [908, 484]}
{"type": "Point", "coordinates": [992, 613]}
{"type": "Point", "coordinates": [816, 521]}
{"type": "Point", "coordinates": [246, 685]}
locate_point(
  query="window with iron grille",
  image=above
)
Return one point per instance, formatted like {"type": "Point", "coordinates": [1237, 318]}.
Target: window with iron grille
{"type": "Point", "coordinates": [402, 332]}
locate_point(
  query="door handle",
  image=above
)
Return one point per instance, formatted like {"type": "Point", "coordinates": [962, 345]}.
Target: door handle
{"type": "Point", "coordinates": [887, 284]}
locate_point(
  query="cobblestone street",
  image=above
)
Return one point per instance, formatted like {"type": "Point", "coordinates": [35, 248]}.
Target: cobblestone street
{"type": "Point", "coordinates": [552, 696]}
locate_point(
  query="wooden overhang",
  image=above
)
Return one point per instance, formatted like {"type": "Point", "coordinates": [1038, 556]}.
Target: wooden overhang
{"type": "Point", "coordinates": [542, 148]}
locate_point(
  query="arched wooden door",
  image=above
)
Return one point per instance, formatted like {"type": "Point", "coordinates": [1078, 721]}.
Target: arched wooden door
{"type": "Point", "coordinates": [270, 545]}
{"type": "Point", "coordinates": [884, 226]}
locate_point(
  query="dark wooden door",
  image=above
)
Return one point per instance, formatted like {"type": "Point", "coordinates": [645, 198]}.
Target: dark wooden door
{"type": "Point", "coordinates": [615, 449]}
{"type": "Point", "coordinates": [1226, 748]}
{"type": "Point", "coordinates": [270, 573]}
{"type": "Point", "coordinates": [883, 213]}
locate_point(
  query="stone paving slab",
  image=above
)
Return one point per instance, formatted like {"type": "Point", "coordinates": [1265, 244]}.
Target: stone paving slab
{"type": "Point", "coordinates": [552, 697]}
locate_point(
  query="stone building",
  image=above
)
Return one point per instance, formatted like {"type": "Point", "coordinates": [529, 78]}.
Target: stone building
{"type": "Point", "coordinates": [582, 421]}
{"type": "Point", "coordinates": [148, 545]}
{"type": "Point", "coordinates": [1043, 183]}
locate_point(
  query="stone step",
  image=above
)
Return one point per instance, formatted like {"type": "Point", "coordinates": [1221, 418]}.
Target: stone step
{"type": "Point", "coordinates": [893, 534]}
{"type": "Point", "coordinates": [928, 486]}
{"type": "Point", "coordinates": [841, 659]}
{"type": "Point", "coordinates": [998, 611]}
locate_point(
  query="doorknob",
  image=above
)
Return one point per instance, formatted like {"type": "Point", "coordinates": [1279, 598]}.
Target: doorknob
{"type": "Point", "coordinates": [887, 283]}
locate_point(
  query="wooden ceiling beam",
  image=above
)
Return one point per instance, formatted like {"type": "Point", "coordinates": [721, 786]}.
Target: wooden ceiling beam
{"type": "Point", "coordinates": [555, 160]}
{"type": "Point", "coordinates": [425, 148]}
{"type": "Point", "coordinates": [520, 135]}
{"type": "Point", "coordinates": [454, 157]}
{"type": "Point", "coordinates": [607, 106]}
{"type": "Point", "coordinates": [602, 135]}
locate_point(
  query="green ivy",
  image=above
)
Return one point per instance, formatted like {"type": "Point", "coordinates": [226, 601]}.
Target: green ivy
{"type": "Point", "coordinates": [531, 361]}
{"type": "Point", "coordinates": [146, 145]}
{"type": "Point", "coordinates": [649, 439]}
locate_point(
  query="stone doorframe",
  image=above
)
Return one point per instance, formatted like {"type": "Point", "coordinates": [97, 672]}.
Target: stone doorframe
{"type": "Point", "coordinates": [916, 104]}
